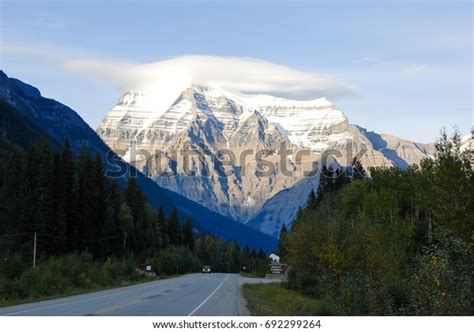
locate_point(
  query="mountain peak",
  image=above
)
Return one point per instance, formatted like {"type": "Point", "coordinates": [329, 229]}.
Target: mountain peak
{"type": "Point", "coordinates": [209, 118]}
{"type": "Point", "coordinates": [264, 100]}
{"type": "Point", "coordinates": [26, 90]}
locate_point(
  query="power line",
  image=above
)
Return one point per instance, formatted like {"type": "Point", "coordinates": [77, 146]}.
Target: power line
{"type": "Point", "coordinates": [83, 240]}
{"type": "Point", "coordinates": [15, 234]}
{"type": "Point", "coordinates": [121, 235]}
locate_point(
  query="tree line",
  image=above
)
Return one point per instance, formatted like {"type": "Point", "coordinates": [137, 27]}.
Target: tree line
{"type": "Point", "coordinates": [394, 243]}
{"type": "Point", "coordinates": [74, 207]}
{"type": "Point", "coordinates": [99, 230]}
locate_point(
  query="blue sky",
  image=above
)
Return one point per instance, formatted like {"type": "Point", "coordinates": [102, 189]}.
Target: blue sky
{"type": "Point", "coordinates": [411, 63]}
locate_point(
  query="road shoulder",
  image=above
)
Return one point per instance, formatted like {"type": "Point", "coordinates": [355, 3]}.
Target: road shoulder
{"type": "Point", "coordinates": [241, 301]}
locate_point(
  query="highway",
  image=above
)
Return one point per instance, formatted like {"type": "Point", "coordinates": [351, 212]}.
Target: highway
{"type": "Point", "coordinates": [189, 295]}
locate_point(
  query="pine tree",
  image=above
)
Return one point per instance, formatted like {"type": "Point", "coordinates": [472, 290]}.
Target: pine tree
{"type": "Point", "coordinates": [283, 243]}
{"type": "Point", "coordinates": [340, 179]}
{"type": "Point", "coordinates": [29, 183]}
{"type": "Point", "coordinates": [162, 226]}
{"type": "Point", "coordinates": [155, 230]}
{"type": "Point", "coordinates": [134, 199]}
{"type": "Point", "coordinates": [245, 259]}
{"type": "Point", "coordinates": [66, 193]}
{"type": "Point", "coordinates": [261, 254]}
{"type": "Point", "coordinates": [325, 178]}
{"type": "Point", "coordinates": [44, 216]}
{"type": "Point", "coordinates": [188, 236]}
{"type": "Point", "coordinates": [99, 203]}
{"type": "Point", "coordinates": [253, 253]}
{"type": "Point", "coordinates": [10, 194]}
{"type": "Point", "coordinates": [126, 225]}
{"type": "Point", "coordinates": [146, 228]}
{"type": "Point", "coordinates": [60, 227]}
{"type": "Point", "coordinates": [111, 225]}
{"type": "Point", "coordinates": [85, 230]}
{"type": "Point", "coordinates": [358, 171]}
{"type": "Point", "coordinates": [235, 257]}
{"type": "Point", "coordinates": [330, 183]}
{"type": "Point", "coordinates": [311, 202]}
{"type": "Point", "coordinates": [113, 207]}
{"type": "Point", "coordinates": [58, 220]}
{"type": "Point", "coordinates": [174, 228]}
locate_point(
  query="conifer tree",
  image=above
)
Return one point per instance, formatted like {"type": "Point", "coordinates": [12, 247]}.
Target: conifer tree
{"type": "Point", "coordinates": [174, 228]}
{"type": "Point", "coordinates": [44, 214]}
{"type": "Point", "coordinates": [188, 236]}
{"type": "Point", "coordinates": [245, 259]}
{"type": "Point", "coordinates": [86, 229]}
{"type": "Point", "coordinates": [340, 179]}
{"type": "Point", "coordinates": [66, 191]}
{"type": "Point", "coordinates": [283, 242]}
{"type": "Point", "coordinates": [162, 226]}
{"type": "Point", "coordinates": [312, 200]}
{"type": "Point", "coordinates": [114, 202]}
{"type": "Point", "coordinates": [126, 225]}
{"type": "Point", "coordinates": [358, 171]}
{"type": "Point", "coordinates": [99, 203]}
{"type": "Point", "coordinates": [261, 254]}
{"type": "Point", "coordinates": [10, 207]}
{"type": "Point", "coordinates": [134, 199]}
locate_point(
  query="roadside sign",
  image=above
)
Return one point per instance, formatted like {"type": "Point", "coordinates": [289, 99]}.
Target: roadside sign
{"type": "Point", "coordinates": [278, 269]}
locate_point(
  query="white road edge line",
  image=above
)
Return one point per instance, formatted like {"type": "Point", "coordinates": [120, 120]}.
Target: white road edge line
{"type": "Point", "coordinates": [207, 299]}
{"type": "Point", "coordinates": [87, 299]}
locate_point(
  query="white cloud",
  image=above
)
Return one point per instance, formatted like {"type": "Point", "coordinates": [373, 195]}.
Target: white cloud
{"type": "Point", "coordinates": [384, 64]}
{"type": "Point", "coordinates": [240, 74]}
{"type": "Point", "coordinates": [417, 69]}
{"type": "Point", "coordinates": [376, 62]}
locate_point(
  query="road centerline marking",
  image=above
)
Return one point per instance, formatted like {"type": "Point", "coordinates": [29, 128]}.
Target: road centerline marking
{"type": "Point", "coordinates": [104, 310]}
{"type": "Point", "coordinates": [207, 299]}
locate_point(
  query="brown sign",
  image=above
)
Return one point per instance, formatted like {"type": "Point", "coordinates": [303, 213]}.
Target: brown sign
{"type": "Point", "coordinates": [278, 268]}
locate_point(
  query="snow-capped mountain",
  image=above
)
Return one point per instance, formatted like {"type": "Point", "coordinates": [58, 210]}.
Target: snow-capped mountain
{"type": "Point", "coordinates": [467, 142]}
{"type": "Point", "coordinates": [238, 154]}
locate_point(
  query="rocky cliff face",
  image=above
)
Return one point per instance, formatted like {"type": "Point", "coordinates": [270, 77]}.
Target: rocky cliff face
{"type": "Point", "coordinates": [253, 158]}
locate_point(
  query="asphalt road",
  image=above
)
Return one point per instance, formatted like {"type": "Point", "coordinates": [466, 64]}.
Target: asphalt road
{"type": "Point", "coordinates": [190, 295]}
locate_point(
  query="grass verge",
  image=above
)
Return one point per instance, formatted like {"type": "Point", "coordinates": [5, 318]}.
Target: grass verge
{"type": "Point", "coordinates": [252, 275]}
{"type": "Point", "coordinates": [275, 300]}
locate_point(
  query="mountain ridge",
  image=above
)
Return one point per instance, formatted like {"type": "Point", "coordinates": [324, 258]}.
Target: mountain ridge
{"type": "Point", "coordinates": [60, 122]}
{"type": "Point", "coordinates": [208, 121]}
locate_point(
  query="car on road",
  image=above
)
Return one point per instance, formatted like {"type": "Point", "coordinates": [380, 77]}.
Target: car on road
{"type": "Point", "coordinates": [206, 269]}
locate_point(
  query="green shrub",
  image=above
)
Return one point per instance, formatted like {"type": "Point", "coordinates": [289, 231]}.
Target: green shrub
{"type": "Point", "coordinates": [13, 266]}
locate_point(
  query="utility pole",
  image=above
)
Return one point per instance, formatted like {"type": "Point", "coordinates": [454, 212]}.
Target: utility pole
{"type": "Point", "coordinates": [430, 230]}
{"type": "Point", "coordinates": [124, 240]}
{"type": "Point", "coordinates": [34, 252]}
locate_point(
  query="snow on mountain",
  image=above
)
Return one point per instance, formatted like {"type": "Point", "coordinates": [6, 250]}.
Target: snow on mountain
{"type": "Point", "coordinates": [467, 142]}
{"type": "Point", "coordinates": [209, 123]}
{"type": "Point", "coordinates": [306, 123]}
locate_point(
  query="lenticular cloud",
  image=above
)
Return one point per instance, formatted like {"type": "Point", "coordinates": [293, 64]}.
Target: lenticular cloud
{"type": "Point", "coordinates": [238, 74]}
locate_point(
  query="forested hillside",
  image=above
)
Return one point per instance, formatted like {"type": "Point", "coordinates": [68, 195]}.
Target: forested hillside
{"type": "Point", "coordinates": [83, 231]}
{"type": "Point", "coordinates": [395, 243]}
{"type": "Point", "coordinates": [24, 112]}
